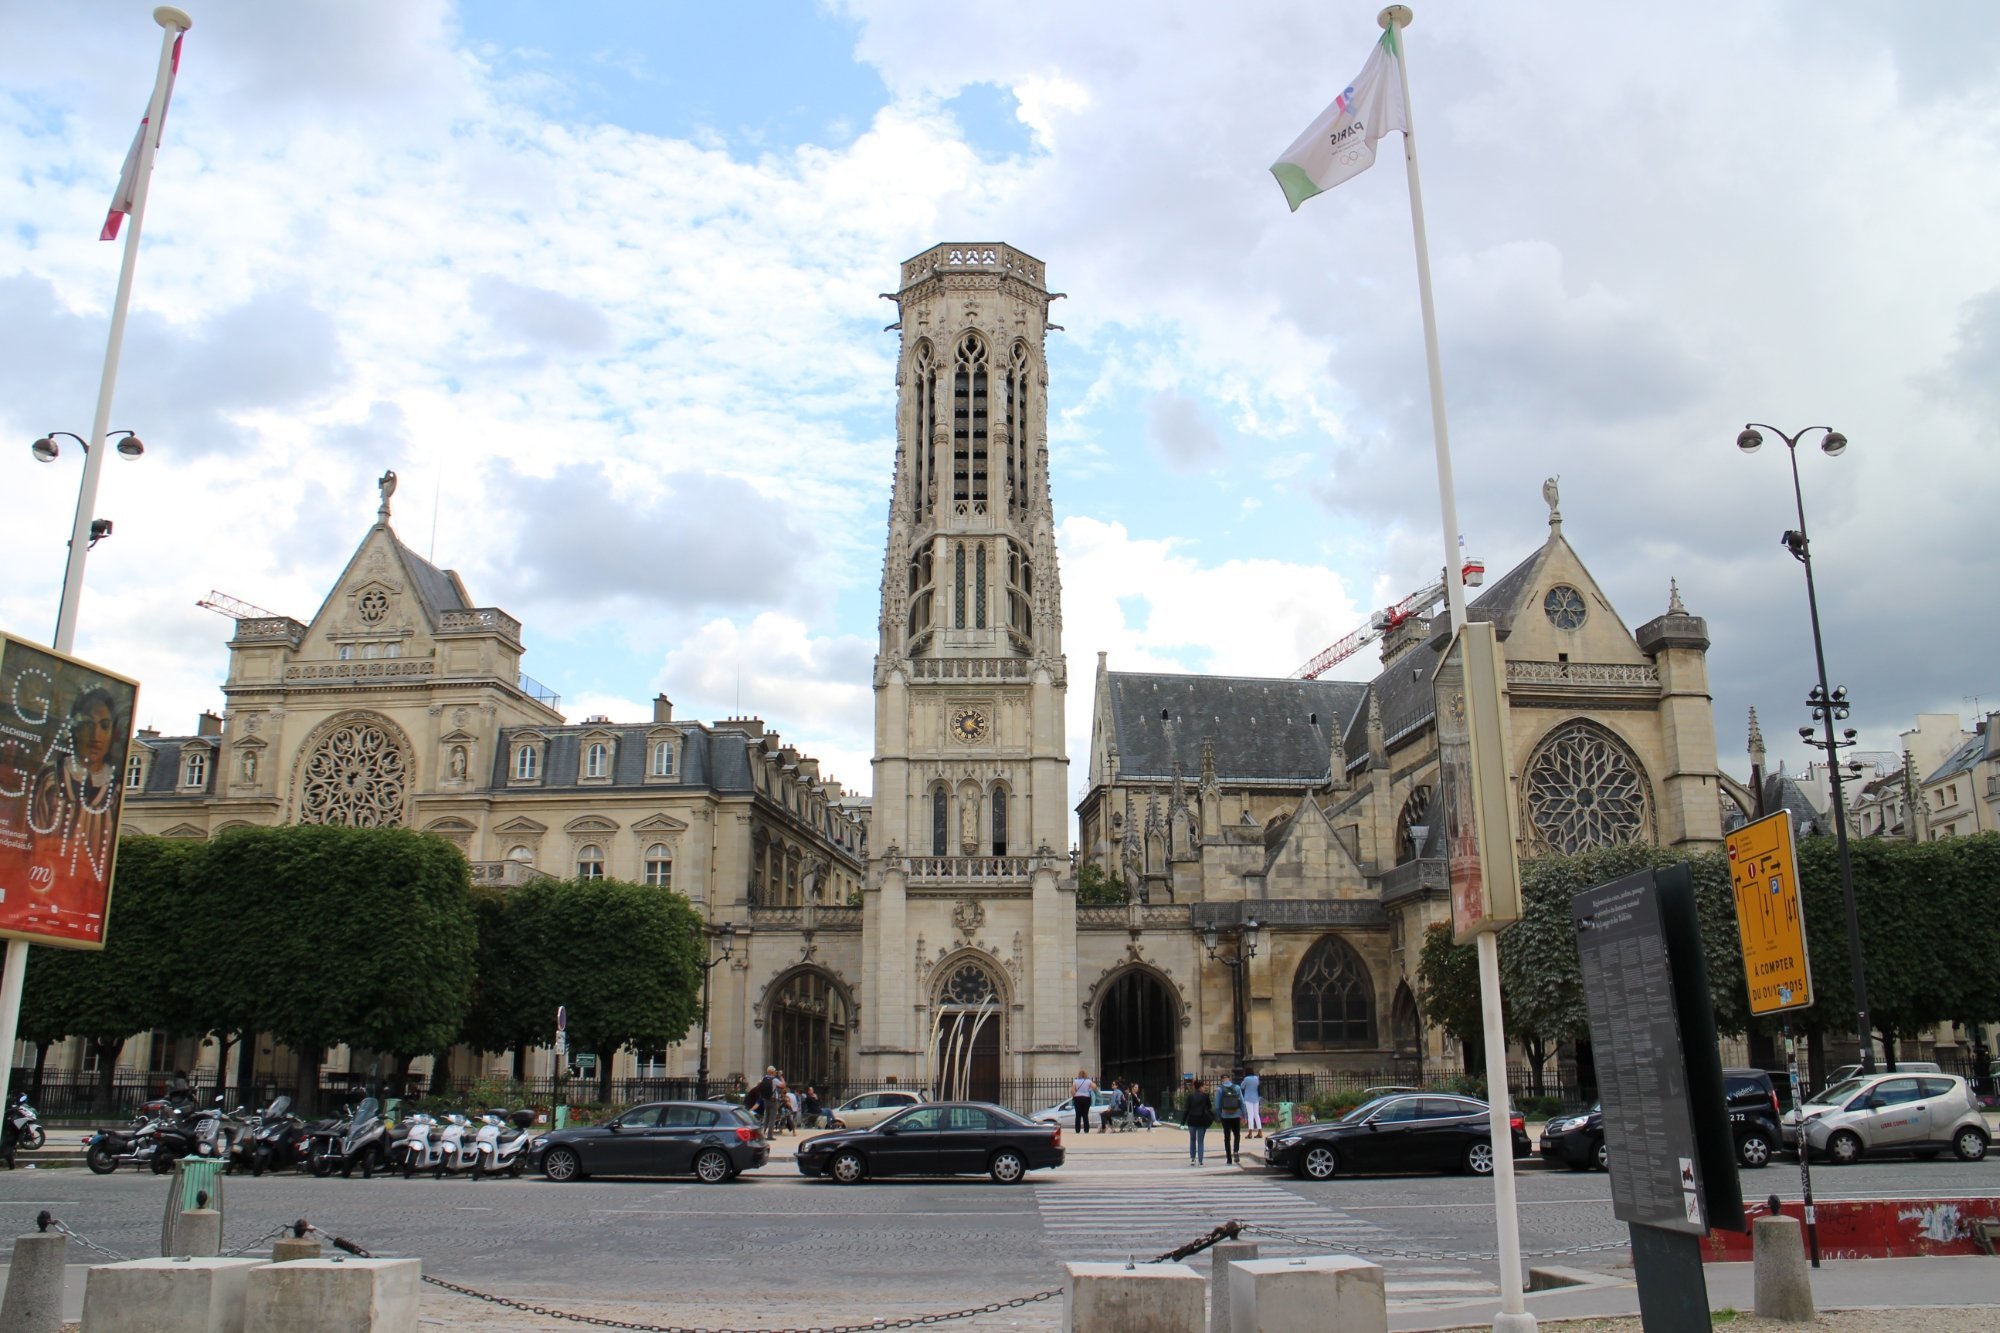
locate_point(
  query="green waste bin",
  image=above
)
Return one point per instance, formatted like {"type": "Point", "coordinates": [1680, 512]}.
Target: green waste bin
{"type": "Point", "coordinates": [193, 1178]}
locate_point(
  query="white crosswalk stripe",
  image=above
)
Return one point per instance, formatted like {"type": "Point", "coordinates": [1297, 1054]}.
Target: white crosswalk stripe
{"type": "Point", "coordinates": [1136, 1220]}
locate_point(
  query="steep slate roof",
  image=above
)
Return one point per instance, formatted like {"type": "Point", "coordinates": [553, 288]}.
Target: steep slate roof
{"type": "Point", "coordinates": [1962, 760]}
{"type": "Point", "coordinates": [1263, 729]}
{"type": "Point", "coordinates": [702, 754]}
{"type": "Point", "coordinates": [163, 775]}
{"type": "Point", "coordinates": [438, 589]}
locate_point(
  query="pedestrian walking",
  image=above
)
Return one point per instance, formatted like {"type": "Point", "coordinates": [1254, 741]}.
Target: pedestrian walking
{"type": "Point", "coordinates": [766, 1098]}
{"type": "Point", "coordinates": [1229, 1111]}
{"type": "Point", "coordinates": [1197, 1113]}
{"type": "Point", "coordinates": [1253, 1102]}
{"type": "Point", "coordinates": [1080, 1091]}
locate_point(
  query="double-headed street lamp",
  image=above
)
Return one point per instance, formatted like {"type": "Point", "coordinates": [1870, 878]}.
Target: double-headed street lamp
{"type": "Point", "coordinates": [728, 937]}
{"type": "Point", "coordinates": [46, 450]}
{"type": "Point", "coordinates": [1246, 949]}
{"type": "Point", "coordinates": [1828, 707]}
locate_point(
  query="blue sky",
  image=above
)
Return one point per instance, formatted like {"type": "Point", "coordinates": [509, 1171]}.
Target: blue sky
{"type": "Point", "coordinates": [600, 283]}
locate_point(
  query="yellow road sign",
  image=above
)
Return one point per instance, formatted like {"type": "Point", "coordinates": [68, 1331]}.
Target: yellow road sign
{"type": "Point", "coordinates": [1769, 916]}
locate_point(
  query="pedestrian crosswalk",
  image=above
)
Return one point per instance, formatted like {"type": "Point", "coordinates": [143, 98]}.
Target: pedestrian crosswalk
{"type": "Point", "coordinates": [1141, 1220]}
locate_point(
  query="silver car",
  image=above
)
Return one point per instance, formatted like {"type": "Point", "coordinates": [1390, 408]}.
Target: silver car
{"type": "Point", "coordinates": [1921, 1114]}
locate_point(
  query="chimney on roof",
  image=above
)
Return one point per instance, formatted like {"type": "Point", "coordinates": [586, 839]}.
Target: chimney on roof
{"type": "Point", "coordinates": [749, 726]}
{"type": "Point", "coordinates": [208, 724]}
{"type": "Point", "coordinates": [663, 708]}
{"type": "Point", "coordinates": [149, 733]}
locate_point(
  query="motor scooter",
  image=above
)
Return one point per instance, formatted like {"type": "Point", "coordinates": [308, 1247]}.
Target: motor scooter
{"type": "Point", "coordinates": [514, 1133]}
{"type": "Point", "coordinates": [460, 1151]}
{"type": "Point", "coordinates": [421, 1148]}
{"type": "Point", "coordinates": [270, 1143]}
{"type": "Point", "coordinates": [22, 1128]}
{"type": "Point", "coordinates": [364, 1144]}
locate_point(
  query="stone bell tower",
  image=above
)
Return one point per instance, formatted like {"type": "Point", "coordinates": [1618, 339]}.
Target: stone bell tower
{"type": "Point", "coordinates": [970, 928]}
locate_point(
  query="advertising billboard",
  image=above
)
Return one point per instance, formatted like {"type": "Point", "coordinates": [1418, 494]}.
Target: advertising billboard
{"type": "Point", "coordinates": [1475, 798]}
{"type": "Point", "coordinates": [65, 730]}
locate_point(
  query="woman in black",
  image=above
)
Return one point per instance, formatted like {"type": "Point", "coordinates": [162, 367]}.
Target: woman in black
{"type": "Point", "coordinates": [1197, 1113]}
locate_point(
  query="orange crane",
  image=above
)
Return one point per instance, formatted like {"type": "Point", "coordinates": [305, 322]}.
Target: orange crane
{"type": "Point", "coordinates": [1388, 618]}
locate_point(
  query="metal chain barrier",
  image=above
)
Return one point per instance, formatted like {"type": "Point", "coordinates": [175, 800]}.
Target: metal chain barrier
{"type": "Point", "coordinates": [46, 1221]}
{"type": "Point", "coordinates": [1227, 1231]}
{"type": "Point", "coordinates": [545, 1312]}
{"type": "Point", "coordinates": [270, 1235]}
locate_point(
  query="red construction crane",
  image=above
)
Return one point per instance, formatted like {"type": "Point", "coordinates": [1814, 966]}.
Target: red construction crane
{"type": "Point", "coordinates": [1383, 621]}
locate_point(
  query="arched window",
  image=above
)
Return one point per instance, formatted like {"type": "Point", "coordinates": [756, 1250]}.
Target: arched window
{"type": "Point", "coordinates": [135, 771]}
{"type": "Point", "coordinates": [968, 411]}
{"type": "Point", "coordinates": [958, 586]}
{"type": "Point", "coordinates": [197, 770]}
{"type": "Point", "coordinates": [597, 760]}
{"type": "Point", "coordinates": [1583, 789]}
{"type": "Point", "coordinates": [663, 759]}
{"type": "Point", "coordinates": [940, 822]}
{"type": "Point", "coordinates": [1333, 1000]}
{"type": "Point", "coordinates": [923, 392]}
{"type": "Point", "coordinates": [590, 861]}
{"type": "Point", "coordinates": [520, 854]}
{"type": "Point", "coordinates": [1413, 825]}
{"type": "Point", "coordinates": [660, 866]}
{"type": "Point", "coordinates": [527, 763]}
{"type": "Point", "coordinates": [999, 821]}
{"type": "Point", "coordinates": [1014, 426]}
{"type": "Point", "coordinates": [979, 586]}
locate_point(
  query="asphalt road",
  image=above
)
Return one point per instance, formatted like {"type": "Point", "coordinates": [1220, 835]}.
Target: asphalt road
{"type": "Point", "coordinates": [797, 1249]}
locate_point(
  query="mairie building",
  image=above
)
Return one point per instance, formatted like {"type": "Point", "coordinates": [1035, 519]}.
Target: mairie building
{"type": "Point", "coordinates": [1273, 837]}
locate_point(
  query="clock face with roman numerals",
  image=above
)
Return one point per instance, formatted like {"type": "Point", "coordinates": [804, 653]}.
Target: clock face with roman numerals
{"type": "Point", "coordinates": [968, 724]}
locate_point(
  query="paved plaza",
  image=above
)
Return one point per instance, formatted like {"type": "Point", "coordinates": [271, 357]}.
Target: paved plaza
{"type": "Point", "coordinates": [775, 1249]}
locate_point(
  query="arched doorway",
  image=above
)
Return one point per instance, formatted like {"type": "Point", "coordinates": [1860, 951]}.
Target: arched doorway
{"type": "Point", "coordinates": [965, 1039]}
{"type": "Point", "coordinates": [1138, 1034]}
{"type": "Point", "coordinates": [806, 1024]}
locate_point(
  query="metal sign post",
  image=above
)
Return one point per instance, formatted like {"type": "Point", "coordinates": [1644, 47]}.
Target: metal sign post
{"type": "Point", "coordinates": [1771, 921]}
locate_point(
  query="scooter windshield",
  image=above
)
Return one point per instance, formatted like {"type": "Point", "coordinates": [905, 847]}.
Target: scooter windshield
{"type": "Point", "coordinates": [368, 1109]}
{"type": "Point", "coordinates": [281, 1107]}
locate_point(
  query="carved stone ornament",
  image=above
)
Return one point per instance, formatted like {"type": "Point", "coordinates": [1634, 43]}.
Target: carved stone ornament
{"type": "Point", "coordinates": [357, 776]}
{"type": "Point", "coordinates": [968, 915]}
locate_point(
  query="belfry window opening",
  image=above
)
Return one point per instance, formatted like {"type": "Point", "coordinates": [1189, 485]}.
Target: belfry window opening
{"type": "Point", "coordinates": [958, 586]}
{"type": "Point", "coordinates": [924, 482]}
{"type": "Point", "coordinates": [940, 822]}
{"type": "Point", "coordinates": [969, 422]}
{"type": "Point", "coordinates": [979, 586]}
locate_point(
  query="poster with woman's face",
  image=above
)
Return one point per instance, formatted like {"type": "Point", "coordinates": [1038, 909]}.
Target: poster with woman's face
{"type": "Point", "coordinates": [65, 727]}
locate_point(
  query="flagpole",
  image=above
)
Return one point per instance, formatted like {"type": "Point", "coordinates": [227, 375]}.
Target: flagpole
{"type": "Point", "coordinates": [175, 22]}
{"type": "Point", "coordinates": [1513, 1316]}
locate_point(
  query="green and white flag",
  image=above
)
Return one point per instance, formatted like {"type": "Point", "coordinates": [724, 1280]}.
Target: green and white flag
{"type": "Point", "coordinates": [1341, 143]}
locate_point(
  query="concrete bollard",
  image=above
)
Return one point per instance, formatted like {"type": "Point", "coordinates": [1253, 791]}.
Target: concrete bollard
{"type": "Point", "coordinates": [167, 1296]}
{"type": "Point", "coordinates": [1333, 1291]}
{"type": "Point", "coordinates": [1146, 1298]}
{"type": "Point", "coordinates": [199, 1234]}
{"type": "Point", "coordinates": [1784, 1283]}
{"type": "Point", "coordinates": [337, 1295]}
{"type": "Point", "coordinates": [1225, 1253]}
{"type": "Point", "coordinates": [290, 1248]}
{"type": "Point", "coordinates": [35, 1285]}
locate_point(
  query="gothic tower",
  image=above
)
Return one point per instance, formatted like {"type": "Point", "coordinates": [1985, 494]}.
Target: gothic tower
{"type": "Point", "coordinates": [969, 925]}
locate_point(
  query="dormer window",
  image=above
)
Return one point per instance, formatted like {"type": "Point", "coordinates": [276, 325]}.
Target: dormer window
{"type": "Point", "coordinates": [597, 760]}
{"type": "Point", "coordinates": [135, 772]}
{"type": "Point", "coordinates": [195, 771]}
{"type": "Point", "coordinates": [663, 759]}
{"type": "Point", "coordinates": [527, 763]}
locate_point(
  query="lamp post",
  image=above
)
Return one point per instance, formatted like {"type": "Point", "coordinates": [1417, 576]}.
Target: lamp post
{"type": "Point", "coordinates": [728, 936]}
{"type": "Point", "coordinates": [92, 530]}
{"type": "Point", "coordinates": [1246, 949]}
{"type": "Point", "coordinates": [1828, 707]}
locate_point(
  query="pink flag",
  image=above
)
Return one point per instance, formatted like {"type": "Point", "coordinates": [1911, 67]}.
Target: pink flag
{"type": "Point", "coordinates": [128, 179]}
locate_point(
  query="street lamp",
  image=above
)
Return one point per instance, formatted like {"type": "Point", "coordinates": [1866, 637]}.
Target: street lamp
{"type": "Point", "coordinates": [1246, 949]}
{"type": "Point", "coordinates": [1828, 707]}
{"type": "Point", "coordinates": [728, 936]}
{"type": "Point", "coordinates": [46, 450]}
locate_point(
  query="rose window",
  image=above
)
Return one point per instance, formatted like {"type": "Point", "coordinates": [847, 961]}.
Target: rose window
{"type": "Point", "coordinates": [1564, 607]}
{"type": "Point", "coordinates": [356, 776]}
{"type": "Point", "coordinates": [373, 605]}
{"type": "Point", "coordinates": [969, 985]}
{"type": "Point", "coordinates": [1585, 790]}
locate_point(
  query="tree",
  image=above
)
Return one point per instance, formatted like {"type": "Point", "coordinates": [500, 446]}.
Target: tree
{"type": "Point", "coordinates": [1448, 989]}
{"type": "Point", "coordinates": [323, 935]}
{"type": "Point", "coordinates": [497, 1019]}
{"type": "Point", "coordinates": [132, 984]}
{"type": "Point", "coordinates": [1098, 887]}
{"type": "Point", "coordinates": [624, 959]}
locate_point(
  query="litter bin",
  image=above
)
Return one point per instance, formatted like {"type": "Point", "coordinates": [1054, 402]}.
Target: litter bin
{"type": "Point", "coordinates": [194, 1178]}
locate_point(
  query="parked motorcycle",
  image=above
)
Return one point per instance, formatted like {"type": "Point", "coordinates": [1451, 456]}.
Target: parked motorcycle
{"type": "Point", "coordinates": [22, 1128]}
{"type": "Point", "coordinates": [190, 1134]}
{"type": "Point", "coordinates": [361, 1141]}
{"type": "Point", "coordinates": [108, 1149]}
{"type": "Point", "coordinates": [512, 1136]}
{"type": "Point", "coordinates": [420, 1149]}
{"type": "Point", "coordinates": [460, 1148]}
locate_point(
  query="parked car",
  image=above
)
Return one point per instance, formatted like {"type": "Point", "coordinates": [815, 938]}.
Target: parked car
{"type": "Point", "coordinates": [1576, 1141]}
{"type": "Point", "coordinates": [871, 1108]}
{"type": "Point", "coordinates": [1843, 1073]}
{"type": "Point", "coordinates": [1425, 1132]}
{"type": "Point", "coordinates": [1920, 1114]}
{"type": "Point", "coordinates": [936, 1139]}
{"type": "Point", "coordinates": [711, 1141]}
{"type": "Point", "coordinates": [1064, 1111]}
{"type": "Point", "coordinates": [1754, 1118]}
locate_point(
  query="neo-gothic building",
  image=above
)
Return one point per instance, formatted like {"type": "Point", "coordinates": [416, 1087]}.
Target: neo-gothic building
{"type": "Point", "coordinates": [933, 936]}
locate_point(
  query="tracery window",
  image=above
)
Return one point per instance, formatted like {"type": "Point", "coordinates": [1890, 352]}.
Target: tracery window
{"type": "Point", "coordinates": [969, 421]}
{"type": "Point", "coordinates": [373, 605]}
{"type": "Point", "coordinates": [958, 586]}
{"type": "Point", "coordinates": [660, 866]}
{"type": "Point", "coordinates": [590, 861]}
{"type": "Point", "coordinates": [356, 776]}
{"type": "Point", "coordinates": [1333, 998]}
{"type": "Point", "coordinates": [1416, 815]}
{"type": "Point", "coordinates": [1014, 426]}
{"type": "Point", "coordinates": [527, 762]}
{"type": "Point", "coordinates": [940, 822]}
{"type": "Point", "coordinates": [1584, 789]}
{"type": "Point", "coordinates": [970, 984]}
{"type": "Point", "coordinates": [979, 586]}
{"type": "Point", "coordinates": [923, 389]}
{"type": "Point", "coordinates": [999, 821]}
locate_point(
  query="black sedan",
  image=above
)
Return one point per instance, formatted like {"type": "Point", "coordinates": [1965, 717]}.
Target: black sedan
{"type": "Point", "coordinates": [1576, 1141]}
{"type": "Point", "coordinates": [1421, 1132]}
{"type": "Point", "coordinates": [936, 1139]}
{"type": "Point", "coordinates": [711, 1141]}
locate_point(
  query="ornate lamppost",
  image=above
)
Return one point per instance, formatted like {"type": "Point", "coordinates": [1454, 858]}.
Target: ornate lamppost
{"type": "Point", "coordinates": [1246, 949]}
{"type": "Point", "coordinates": [1828, 707]}
{"type": "Point", "coordinates": [728, 937]}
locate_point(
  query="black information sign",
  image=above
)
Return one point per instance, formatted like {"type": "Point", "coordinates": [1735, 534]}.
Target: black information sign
{"type": "Point", "coordinates": [1656, 1177]}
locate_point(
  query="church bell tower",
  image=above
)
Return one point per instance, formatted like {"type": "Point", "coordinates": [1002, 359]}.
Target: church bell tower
{"type": "Point", "coordinates": [969, 923]}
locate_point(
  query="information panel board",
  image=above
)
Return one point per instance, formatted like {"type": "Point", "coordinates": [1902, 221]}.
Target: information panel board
{"type": "Point", "coordinates": [1656, 1176]}
{"type": "Point", "coordinates": [1769, 916]}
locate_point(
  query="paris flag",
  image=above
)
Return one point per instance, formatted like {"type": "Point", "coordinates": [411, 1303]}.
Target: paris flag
{"type": "Point", "coordinates": [1341, 143]}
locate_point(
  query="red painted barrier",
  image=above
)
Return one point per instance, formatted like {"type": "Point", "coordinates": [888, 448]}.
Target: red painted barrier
{"type": "Point", "coordinates": [1874, 1228]}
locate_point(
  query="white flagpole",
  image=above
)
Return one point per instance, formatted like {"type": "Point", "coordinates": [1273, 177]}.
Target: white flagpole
{"type": "Point", "coordinates": [1513, 1316]}
{"type": "Point", "coordinates": [175, 22]}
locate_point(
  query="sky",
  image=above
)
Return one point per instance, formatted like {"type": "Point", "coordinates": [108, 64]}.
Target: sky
{"type": "Point", "coordinates": [601, 282]}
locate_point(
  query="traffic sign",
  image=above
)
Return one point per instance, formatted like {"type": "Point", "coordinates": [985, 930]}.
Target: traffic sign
{"type": "Point", "coordinates": [1770, 918]}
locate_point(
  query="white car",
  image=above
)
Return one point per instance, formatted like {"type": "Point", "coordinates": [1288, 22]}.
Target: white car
{"type": "Point", "coordinates": [871, 1108]}
{"type": "Point", "coordinates": [1921, 1114]}
{"type": "Point", "coordinates": [1063, 1113]}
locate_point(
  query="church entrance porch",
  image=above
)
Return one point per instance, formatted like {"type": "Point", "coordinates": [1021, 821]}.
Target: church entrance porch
{"type": "Point", "coordinates": [1138, 1030]}
{"type": "Point", "coordinates": [807, 1024]}
{"type": "Point", "coordinates": [965, 1057]}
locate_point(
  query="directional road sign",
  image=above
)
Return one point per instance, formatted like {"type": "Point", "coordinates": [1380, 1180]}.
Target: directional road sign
{"type": "Point", "coordinates": [1769, 915]}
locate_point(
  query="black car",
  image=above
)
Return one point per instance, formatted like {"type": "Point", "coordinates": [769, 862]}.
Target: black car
{"type": "Point", "coordinates": [1407, 1132]}
{"type": "Point", "coordinates": [936, 1139]}
{"type": "Point", "coordinates": [711, 1141]}
{"type": "Point", "coordinates": [1577, 1141]}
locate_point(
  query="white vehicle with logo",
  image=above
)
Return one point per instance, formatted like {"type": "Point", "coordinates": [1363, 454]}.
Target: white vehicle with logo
{"type": "Point", "coordinates": [1919, 1114]}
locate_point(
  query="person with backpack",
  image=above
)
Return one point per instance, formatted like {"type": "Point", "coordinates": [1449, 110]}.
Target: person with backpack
{"type": "Point", "coordinates": [1197, 1113]}
{"type": "Point", "coordinates": [1229, 1110]}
